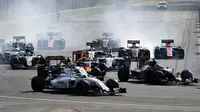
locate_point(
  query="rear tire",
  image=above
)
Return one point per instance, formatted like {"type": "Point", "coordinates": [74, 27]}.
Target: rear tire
{"type": "Point", "coordinates": [157, 54]}
{"type": "Point", "coordinates": [181, 53]}
{"type": "Point", "coordinates": [122, 52]}
{"type": "Point", "coordinates": [13, 61]}
{"type": "Point", "coordinates": [144, 54]}
{"type": "Point", "coordinates": [123, 74]}
{"type": "Point", "coordinates": [37, 84]}
{"type": "Point", "coordinates": [41, 72]}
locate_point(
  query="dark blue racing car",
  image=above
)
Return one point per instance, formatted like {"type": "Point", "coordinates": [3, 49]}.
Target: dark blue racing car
{"type": "Point", "coordinates": [169, 51]}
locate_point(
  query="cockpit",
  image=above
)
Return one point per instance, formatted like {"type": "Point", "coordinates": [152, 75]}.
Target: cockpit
{"type": "Point", "coordinates": [168, 44]}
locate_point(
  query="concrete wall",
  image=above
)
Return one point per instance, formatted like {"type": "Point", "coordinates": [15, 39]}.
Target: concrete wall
{"type": "Point", "coordinates": [12, 9]}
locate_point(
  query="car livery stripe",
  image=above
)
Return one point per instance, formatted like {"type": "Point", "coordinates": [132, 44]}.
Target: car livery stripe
{"type": "Point", "coordinates": [169, 51]}
{"type": "Point", "coordinates": [50, 42]}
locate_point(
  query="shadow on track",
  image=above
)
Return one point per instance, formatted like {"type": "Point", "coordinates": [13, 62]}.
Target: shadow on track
{"type": "Point", "coordinates": [162, 84]}
{"type": "Point", "coordinates": [9, 68]}
{"type": "Point", "coordinates": [68, 93]}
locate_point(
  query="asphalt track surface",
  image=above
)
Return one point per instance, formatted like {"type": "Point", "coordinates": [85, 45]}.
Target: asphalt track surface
{"type": "Point", "coordinates": [149, 25]}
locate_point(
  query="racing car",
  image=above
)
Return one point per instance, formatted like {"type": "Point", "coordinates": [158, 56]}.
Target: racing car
{"type": "Point", "coordinates": [23, 59]}
{"type": "Point", "coordinates": [162, 5]}
{"type": "Point", "coordinates": [74, 79]}
{"type": "Point", "coordinates": [153, 73]}
{"type": "Point", "coordinates": [50, 41]}
{"type": "Point", "coordinates": [20, 41]}
{"type": "Point", "coordinates": [89, 61]}
{"type": "Point", "coordinates": [134, 50]}
{"type": "Point", "coordinates": [105, 60]}
{"type": "Point", "coordinates": [169, 51]}
{"type": "Point", "coordinates": [5, 56]}
{"type": "Point", "coordinates": [106, 42]}
{"type": "Point", "coordinates": [13, 48]}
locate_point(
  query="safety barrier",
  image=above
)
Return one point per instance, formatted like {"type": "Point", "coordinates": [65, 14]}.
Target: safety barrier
{"type": "Point", "coordinates": [198, 32]}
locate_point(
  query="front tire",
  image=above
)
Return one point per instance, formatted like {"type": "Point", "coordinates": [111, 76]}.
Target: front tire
{"type": "Point", "coordinates": [186, 75]}
{"type": "Point", "coordinates": [82, 87]}
{"type": "Point", "coordinates": [37, 84]}
{"type": "Point", "coordinates": [112, 84]}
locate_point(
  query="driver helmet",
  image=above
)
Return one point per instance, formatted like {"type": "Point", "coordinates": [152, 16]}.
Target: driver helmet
{"type": "Point", "coordinates": [134, 44]}
{"type": "Point", "coordinates": [28, 53]}
{"type": "Point", "coordinates": [84, 54]}
{"type": "Point", "coordinates": [168, 44]}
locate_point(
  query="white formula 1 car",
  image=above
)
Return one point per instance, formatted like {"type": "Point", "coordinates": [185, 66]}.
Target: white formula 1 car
{"type": "Point", "coordinates": [22, 60]}
{"type": "Point", "coordinates": [73, 79]}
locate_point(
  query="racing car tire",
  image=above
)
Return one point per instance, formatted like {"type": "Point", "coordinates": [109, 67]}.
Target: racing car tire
{"type": "Point", "coordinates": [126, 62]}
{"type": "Point", "coordinates": [181, 53]}
{"type": "Point", "coordinates": [59, 45]}
{"type": "Point", "coordinates": [39, 45]}
{"type": "Point", "coordinates": [102, 67]}
{"type": "Point", "coordinates": [186, 74]}
{"type": "Point", "coordinates": [123, 74]}
{"type": "Point", "coordinates": [157, 77]}
{"type": "Point", "coordinates": [37, 84]}
{"type": "Point", "coordinates": [146, 54]}
{"type": "Point", "coordinates": [122, 52]}
{"type": "Point", "coordinates": [13, 61]}
{"type": "Point", "coordinates": [112, 83]}
{"type": "Point", "coordinates": [157, 54]}
{"type": "Point", "coordinates": [82, 87]}
{"type": "Point", "coordinates": [1, 59]}
{"type": "Point", "coordinates": [41, 72]}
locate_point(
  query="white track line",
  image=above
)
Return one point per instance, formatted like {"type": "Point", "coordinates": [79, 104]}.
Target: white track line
{"type": "Point", "coordinates": [142, 106]}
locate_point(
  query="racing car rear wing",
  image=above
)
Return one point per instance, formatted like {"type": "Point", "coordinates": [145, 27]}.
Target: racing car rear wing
{"type": "Point", "coordinates": [132, 42]}
{"type": "Point", "coordinates": [90, 44]}
{"type": "Point", "coordinates": [167, 41]}
{"type": "Point", "coordinates": [105, 35]}
{"type": "Point", "coordinates": [18, 38]}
